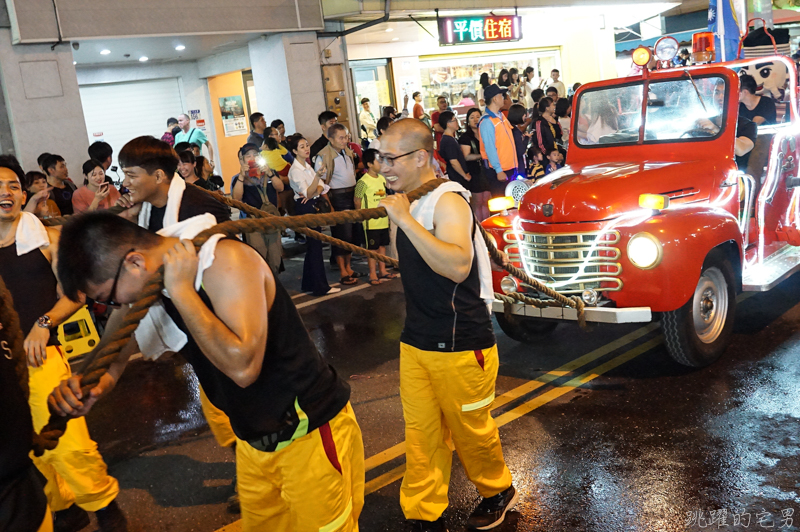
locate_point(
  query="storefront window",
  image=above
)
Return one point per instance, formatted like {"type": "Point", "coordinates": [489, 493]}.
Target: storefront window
{"type": "Point", "coordinates": [453, 76]}
{"type": "Point", "coordinates": [371, 80]}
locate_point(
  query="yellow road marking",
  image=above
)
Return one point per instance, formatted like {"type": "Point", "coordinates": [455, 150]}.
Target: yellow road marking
{"type": "Point", "coordinates": [398, 450]}
{"type": "Point", "coordinates": [391, 453]}
{"type": "Point", "coordinates": [397, 473]}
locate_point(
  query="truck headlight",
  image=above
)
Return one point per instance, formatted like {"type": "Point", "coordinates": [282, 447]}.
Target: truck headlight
{"type": "Point", "coordinates": [509, 285]}
{"type": "Point", "coordinates": [644, 251]}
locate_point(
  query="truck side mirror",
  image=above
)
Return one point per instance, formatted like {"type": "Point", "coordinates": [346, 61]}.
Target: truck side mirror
{"type": "Point", "coordinates": [792, 182]}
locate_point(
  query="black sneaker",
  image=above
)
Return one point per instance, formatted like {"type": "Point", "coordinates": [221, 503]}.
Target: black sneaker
{"type": "Point", "coordinates": [72, 519]}
{"type": "Point", "coordinates": [427, 526]}
{"type": "Point", "coordinates": [491, 512]}
{"type": "Point", "coordinates": [111, 519]}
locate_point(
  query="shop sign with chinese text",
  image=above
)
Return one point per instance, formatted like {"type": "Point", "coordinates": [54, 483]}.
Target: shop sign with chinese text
{"type": "Point", "coordinates": [474, 30]}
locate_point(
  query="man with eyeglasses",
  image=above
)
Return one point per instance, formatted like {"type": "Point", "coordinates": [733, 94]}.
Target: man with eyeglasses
{"type": "Point", "coordinates": [448, 354]}
{"type": "Point", "coordinates": [77, 477]}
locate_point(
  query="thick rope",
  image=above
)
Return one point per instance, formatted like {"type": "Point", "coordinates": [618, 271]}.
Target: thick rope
{"type": "Point", "coordinates": [61, 220]}
{"type": "Point", "coordinates": [97, 362]}
{"type": "Point", "coordinates": [12, 337]}
{"type": "Point", "coordinates": [257, 213]}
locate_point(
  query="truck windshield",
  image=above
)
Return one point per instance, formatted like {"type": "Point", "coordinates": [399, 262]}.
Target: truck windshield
{"type": "Point", "coordinates": [673, 108]}
{"type": "Point", "coordinates": [612, 115]}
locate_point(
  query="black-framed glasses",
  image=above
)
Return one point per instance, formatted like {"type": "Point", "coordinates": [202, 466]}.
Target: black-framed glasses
{"type": "Point", "coordinates": [111, 294]}
{"type": "Point", "coordinates": [389, 161]}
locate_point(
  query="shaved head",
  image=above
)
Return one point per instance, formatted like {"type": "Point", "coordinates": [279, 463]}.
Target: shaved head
{"type": "Point", "coordinates": [410, 134]}
{"type": "Point", "coordinates": [407, 148]}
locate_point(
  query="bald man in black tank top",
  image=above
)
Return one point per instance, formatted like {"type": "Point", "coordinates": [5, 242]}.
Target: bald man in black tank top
{"type": "Point", "coordinates": [76, 474]}
{"type": "Point", "coordinates": [448, 355]}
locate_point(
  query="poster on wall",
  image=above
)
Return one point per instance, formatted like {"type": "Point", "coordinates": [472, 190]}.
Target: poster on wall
{"type": "Point", "coordinates": [234, 121]}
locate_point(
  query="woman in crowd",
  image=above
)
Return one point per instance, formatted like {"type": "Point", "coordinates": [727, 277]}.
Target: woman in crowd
{"type": "Point", "coordinates": [471, 148]}
{"type": "Point", "coordinates": [450, 151]}
{"type": "Point", "coordinates": [484, 82]}
{"type": "Point", "coordinates": [503, 79]}
{"type": "Point", "coordinates": [563, 113]}
{"type": "Point", "coordinates": [38, 196]}
{"type": "Point", "coordinates": [546, 130]}
{"type": "Point", "coordinates": [187, 169]}
{"type": "Point", "coordinates": [96, 193]}
{"type": "Point", "coordinates": [204, 172]}
{"type": "Point", "coordinates": [309, 191]}
{"type": "Point", "coordinates": [516, 88]}
{"type": "Point", "coordinates": [516, 117]}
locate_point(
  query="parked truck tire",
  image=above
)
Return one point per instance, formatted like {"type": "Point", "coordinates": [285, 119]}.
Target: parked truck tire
{"type": "Point", "coordinates": [698, 333]}
{"type": "Point", "coordinates": [526, 330]}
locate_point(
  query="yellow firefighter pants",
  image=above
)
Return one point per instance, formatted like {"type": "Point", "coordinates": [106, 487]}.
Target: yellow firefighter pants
{"type": "Point", "coordinates": [47, 522]}
{"type": "Point", "coordinates": [447, 400]}
{"type": "Point", "coordinates": [75, 471]}
{"type": "Point", "coordinates": [218, 421]}
{"type": "Point", "coordinates": [314, 484]}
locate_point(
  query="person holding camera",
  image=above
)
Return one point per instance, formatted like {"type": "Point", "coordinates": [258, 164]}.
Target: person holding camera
{"type": "Point", "coordinates": [310, 197]}
{"type": "Point", "coordinates": [258, 186]}
{"type": "Point", "coordinates": [96, 193]}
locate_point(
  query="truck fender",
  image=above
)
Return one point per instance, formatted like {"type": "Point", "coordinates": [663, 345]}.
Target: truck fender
{"type": "Point", "coordinates": [687, 235]}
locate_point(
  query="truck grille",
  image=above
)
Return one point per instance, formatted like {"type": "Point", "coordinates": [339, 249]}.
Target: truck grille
{"type": "Point", "coordinates": [568, 263]}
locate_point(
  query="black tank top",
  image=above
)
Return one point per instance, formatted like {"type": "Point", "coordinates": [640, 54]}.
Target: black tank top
{"type": "Point", "coordinates": [295, 381]}
{"type": "Point", "coordinates": [32, 284]}
{"type": "Point", "coordinates": [16, 427]}
{"type": "Point", "coordinates": [441, 315]}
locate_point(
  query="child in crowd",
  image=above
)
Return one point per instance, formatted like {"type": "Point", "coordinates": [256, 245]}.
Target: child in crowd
{"type": "Point", "coordinates": [535, 168]}
{"type": "Point", "coordinates": [370, 190]}
{"type": "Point", "coordinates": [556, 161]}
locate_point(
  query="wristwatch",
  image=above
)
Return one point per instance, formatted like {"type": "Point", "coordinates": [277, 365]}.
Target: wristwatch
{"type": "Point", "coordinates": [45, 322]}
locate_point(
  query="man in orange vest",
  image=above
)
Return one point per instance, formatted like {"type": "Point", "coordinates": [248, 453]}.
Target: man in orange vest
{"type": "Point", "coordinates": [497, 142]}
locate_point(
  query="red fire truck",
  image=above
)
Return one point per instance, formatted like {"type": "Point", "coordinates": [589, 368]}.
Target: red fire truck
{"type": "Point", "coordinates": [656, 214]}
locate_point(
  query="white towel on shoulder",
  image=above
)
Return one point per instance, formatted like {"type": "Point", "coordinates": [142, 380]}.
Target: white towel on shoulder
{"type": "Point", "coordinates": [157, 333]}
{"type": "Point", "coordinates": [174, 196]}
{"type": "Point", "coordinates": [423, 209]}
{"type": "Point", "coordinates": [31, 234]}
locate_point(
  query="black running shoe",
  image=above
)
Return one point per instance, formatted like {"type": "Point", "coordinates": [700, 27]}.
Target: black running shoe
{"type": "Point", "coordinates": [491, 512]}
{"type": "Point", "coordinates": [427, 526]}
{"type": "Point", "coordinates": [72, 519]}
{"type": "Point", "coordinates": [111, 519]}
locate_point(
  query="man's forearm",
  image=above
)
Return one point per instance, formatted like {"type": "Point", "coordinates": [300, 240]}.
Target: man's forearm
{"type": "Point", "coordinates": [62, 310]}
{"type": "Point", "coordinates": [210, 151]}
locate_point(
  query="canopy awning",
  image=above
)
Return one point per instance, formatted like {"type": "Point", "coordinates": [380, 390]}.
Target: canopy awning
{"type": "Point", "coordinates": [684, 38]}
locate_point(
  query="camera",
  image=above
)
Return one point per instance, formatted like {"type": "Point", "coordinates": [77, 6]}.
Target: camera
{"type": "Point", "coordinates": [254, 170]}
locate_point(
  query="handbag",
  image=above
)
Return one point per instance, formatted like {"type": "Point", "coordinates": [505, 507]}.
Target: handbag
{"type": "Point", "coordinates": [322, 205]}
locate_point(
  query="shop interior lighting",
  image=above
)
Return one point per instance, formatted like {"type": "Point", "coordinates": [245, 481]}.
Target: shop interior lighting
{"type": "Point", "coordinates": [105, 52]}
{"type": "Point", "coordinates": [389, 30]}
{"type": "Point", "coordinates": [180, 48]}
{"type": "Point", "coordinates": [143, 58]}
{"type": "Point", "coordinates": [396, 39]}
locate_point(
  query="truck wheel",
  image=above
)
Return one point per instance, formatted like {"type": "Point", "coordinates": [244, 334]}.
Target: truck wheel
{"type": "Point", "coordinates": [526, 330]}
{"type": "Point", "coordinates": [699, 332]}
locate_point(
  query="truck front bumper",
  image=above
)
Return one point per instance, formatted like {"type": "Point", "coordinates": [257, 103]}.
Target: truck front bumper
{"type": "Point", "coordinates": [594, 314]}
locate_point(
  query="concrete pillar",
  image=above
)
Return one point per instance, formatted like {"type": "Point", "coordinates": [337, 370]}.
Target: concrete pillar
{"type": "Point", "coordinates": [40, 88]}
{"type": "Point", "coordinates": [288, 80]}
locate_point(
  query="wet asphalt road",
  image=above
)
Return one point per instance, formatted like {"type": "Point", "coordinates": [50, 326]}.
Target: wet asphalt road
{"type": "Point", "coordinates": [601, 430]}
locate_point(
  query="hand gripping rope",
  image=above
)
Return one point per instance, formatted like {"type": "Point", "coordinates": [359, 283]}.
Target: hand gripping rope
{"type": "Point", "coordinates": [97, 362]}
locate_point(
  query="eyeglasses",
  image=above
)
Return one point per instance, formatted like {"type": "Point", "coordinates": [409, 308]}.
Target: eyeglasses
{"type": "Point", "coordinates": [389, 161]}
{"type": "Point", "coordinates": [112, 293]}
